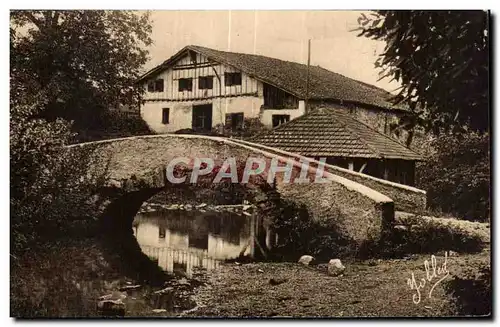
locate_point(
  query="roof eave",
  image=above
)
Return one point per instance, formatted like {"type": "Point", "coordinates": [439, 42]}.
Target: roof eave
{"type": "Point", "coordinates": [164, 65]}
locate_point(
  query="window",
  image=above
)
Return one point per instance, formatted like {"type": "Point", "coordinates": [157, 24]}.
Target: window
{"type": "Point", "coordinates": [185, 84]}
{"type": "Point", "coordinates": [165, 117]}
{"type": "Point", "coordinates": [280, 119]}
{"type": "Point", "coordinates": [198, 241]}
{"type": "Point", "coordinates": [156, 85]}
{"type": "Point", "coordinates": [404, 177]}
{"type": "Point", "coordinates": [161, 232]}
{"type": "Point", "coordinates": [234, 121]}
{"type": "Point", "coordinates": [151, 86]}
{"type": "Point", "coordinates": [205, 82]}
{"type": "Point", "coordinates": [192, 55]}
{"type": "Point", "coordinates": [179, 266]}
{"type": "Point", "coordinates": [278, 99]}
{"type": "Point", "coordinates": [159, 85]}
{"type": "Point", "coordinates": [202, 117]}
{"type": "Point", "coordinates": [232, 79]}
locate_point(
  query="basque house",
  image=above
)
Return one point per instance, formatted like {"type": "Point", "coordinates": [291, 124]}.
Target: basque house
{"type": "Point", "coordinates": [351, 123]}
{"type": "Point", "coordinates": [200, 88]}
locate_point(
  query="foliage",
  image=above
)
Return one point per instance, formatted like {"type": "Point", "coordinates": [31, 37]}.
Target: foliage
{"type": "Point", "coordinates": [441, 59]}
{"type": "Point", "coordinates": [65, 66]}
{"type": "Point", "coordinates": [250, 128]}
{"type": "Point", "coordinates": [50, 187]}
{"type": "Point", "coordinates": [62, 279]}
{"type": "Point", "coordinates": [113, 124]}
{"type": "Point", "coordinates": [472, 292]}
{"type": "Point", "coordinates": [428, 236]}
{"type": "Point", "coordinates": [457, 176]}
{"type": "Point", "coordinates": [86, 61]}
{"type": "Point", "coordinates": [423, 236]}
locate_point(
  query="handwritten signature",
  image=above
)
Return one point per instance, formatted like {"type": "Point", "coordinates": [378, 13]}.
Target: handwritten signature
{"type": "Point", "coordinates": [432, 271]}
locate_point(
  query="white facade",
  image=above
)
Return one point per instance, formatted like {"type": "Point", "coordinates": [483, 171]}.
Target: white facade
{"type": "Point", "coordinates": [247, 97]}
{"type": "Point", "coordinates": [171, 248]}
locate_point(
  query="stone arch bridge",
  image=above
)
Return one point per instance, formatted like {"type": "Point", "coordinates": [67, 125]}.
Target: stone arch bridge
{"type": "Point", "coordinates": [360, 206]}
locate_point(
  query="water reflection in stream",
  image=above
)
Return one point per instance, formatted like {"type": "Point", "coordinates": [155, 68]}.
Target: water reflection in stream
{"type": "Point", "coordinates": [181, 240]}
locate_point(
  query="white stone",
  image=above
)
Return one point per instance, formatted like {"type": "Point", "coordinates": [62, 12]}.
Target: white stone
{"type": "Point", "coordinates": [159, 310]}
{"type": "Point", "coordinates": [335, 267]}
{"type": "Point", "coordinates": [114, 183]}
{"type": "Point", "coordinates": [306, 259]}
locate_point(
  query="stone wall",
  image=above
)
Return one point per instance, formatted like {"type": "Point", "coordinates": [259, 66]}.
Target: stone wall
{"type": "Point", "coordinates": [137, 165]}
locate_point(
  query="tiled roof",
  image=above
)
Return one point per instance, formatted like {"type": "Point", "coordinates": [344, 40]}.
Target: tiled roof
{"type": "Point", "coordinates": [332, 133]}
{"type": "Point", "coordinates": [291, 77]}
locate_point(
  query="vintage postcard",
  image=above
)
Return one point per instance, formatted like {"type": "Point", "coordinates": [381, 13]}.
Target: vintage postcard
{"type": "Point", "coordinates": [250, 164]}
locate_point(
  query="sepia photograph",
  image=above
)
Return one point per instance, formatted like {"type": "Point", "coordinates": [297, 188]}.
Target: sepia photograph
{"type": "Point", "coordinates": [250, 164]}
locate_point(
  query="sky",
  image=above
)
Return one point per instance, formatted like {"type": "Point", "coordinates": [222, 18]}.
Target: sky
{"type": "Point", "coordinates": [278, 34]}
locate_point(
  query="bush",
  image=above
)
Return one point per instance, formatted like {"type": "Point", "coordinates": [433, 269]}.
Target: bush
{"type": "Point", "coordinates": [457, 176]}
{"type": "Point", "coordinates": [471, 291]}
{"type": "Point", "coordinates": [111, 124]}
{"type": "Point", "coordinates": [425, 235]}
{"type": "Point", "coordinates": [250, 128]}
{"type": "Point", "coordinates": [50, 187]}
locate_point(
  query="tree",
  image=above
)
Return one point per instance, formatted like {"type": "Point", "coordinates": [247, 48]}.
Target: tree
{"type": "Point", "coordinates": [441, 58]}
{"type": "Point", "coordinates": [65, 65]}
{"type": "Point", "coordinates": [457, 176]}
{"type": "Point", "coordinates": [84, 61]}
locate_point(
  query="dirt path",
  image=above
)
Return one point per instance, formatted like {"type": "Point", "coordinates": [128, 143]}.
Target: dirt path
{"type": "Point", "coordinates": [367, 289]}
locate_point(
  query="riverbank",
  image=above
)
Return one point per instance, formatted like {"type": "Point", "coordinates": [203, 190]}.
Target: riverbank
{"type": "Point", "coordinates": [373, 288]}
{"type": "Point", "coordinates": [69, 278]}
